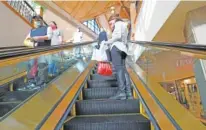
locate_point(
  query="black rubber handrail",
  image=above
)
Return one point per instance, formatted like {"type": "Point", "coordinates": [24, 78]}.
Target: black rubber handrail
{"type": "Point", "coordinates": [11, 47]}
{"type": "Point", "coordinates": [200, 48]}
{"type": "Point", "coordinates": [16, 53]}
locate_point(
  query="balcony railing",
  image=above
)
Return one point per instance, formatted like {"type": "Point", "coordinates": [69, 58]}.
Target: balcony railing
{"type": "Point", "coordinates": [24, 9]}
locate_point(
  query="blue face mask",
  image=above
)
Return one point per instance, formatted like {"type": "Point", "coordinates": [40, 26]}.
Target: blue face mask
{"type": "Point", "coordinates": [37, 24]}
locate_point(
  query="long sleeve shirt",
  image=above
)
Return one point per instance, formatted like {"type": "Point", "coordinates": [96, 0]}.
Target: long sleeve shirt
{"type": "Point", "coordinates": [119, 37]}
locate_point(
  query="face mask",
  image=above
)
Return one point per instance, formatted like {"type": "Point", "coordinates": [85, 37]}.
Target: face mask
{"type": "Point", "coordinates": [37, 24]}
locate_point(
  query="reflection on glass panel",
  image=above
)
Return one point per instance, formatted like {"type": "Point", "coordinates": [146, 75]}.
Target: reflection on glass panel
{"type": "Point", "coordinates": [31, 76]}
{"type": "Point", "coordinates": [179, 74]}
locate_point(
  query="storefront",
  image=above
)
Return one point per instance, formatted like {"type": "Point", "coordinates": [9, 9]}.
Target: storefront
{"type": "Point", "coordinates": [186, 92]}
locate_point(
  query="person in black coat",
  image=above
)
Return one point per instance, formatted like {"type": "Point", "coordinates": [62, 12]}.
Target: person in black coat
{"type": "Point", "coordinates": [102, 37]}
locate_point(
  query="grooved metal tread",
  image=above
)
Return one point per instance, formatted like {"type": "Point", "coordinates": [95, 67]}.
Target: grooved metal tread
{"type": "Point", "coordinates": [101, 77]}
{"type": "Point", "coordinates": [5, 107]}
{"type": "Point", "coordinates": [99, 93]}
{"type": "Point", "coordinates": [16, 96]}
{"type": "Point", "coordinates": [93, 107]}
{"type": "Point", "coordinates": [108, 122]}
{"type": "Point", "coordinates": [101, 83]}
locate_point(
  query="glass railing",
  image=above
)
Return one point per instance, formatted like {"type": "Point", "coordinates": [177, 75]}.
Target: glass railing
{"type": "Point", "coordinates": [174, 75]}
{"type": "Point", "coordinates": [24, 75]}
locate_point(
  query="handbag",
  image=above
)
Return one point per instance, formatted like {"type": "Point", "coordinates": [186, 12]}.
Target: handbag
{"type": "Point", "coordinates": [104, 68]}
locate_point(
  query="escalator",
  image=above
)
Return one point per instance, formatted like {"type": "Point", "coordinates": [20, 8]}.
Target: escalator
{"type": "Point", "coordinates": [78, 98]}
{"type": "Point", "coordinates": [97, 112]}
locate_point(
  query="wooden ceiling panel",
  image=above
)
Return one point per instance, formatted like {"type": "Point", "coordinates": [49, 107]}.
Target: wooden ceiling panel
{"type": "Point", "coordinates": [85, 10]}
{"type": "Point", "coordinates": [67, 7]}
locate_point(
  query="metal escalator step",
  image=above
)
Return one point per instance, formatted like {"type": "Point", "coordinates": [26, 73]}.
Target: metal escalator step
{"type": "Point", "coordinates": [99, 93]}
{"type": "Point", "coordinates": [6, 107]}
{"type": "Point", "coordinates": [100, 77]}
{"type": "Point", "coordinates": [101, 83]}
{"type": "Point", "coordinates": [108, 122]}
{"type": "Point", "coordinates": [16, 96]}
{"type": "Point", "coordinates": [93, 107]}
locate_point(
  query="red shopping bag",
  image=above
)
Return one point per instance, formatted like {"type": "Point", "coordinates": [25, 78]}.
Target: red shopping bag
{"type": "Point", "coordinates": [104, 68]}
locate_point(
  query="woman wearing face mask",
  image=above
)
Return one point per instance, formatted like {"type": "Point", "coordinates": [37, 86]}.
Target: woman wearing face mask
{"type": "Point", "coordinates": [119, 50]}
{"type": "Point", "coordinates": [57, 38]}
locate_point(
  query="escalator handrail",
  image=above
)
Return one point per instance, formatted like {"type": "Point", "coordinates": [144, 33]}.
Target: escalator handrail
{"type": "Point", "coordinates": [11, 47]}
{"type": "Point", "coordinates": [173, 114]}
{"type": "Point", "coordinates": [182, 46]}
{"type": "Point", "coordinates": [16, 52]}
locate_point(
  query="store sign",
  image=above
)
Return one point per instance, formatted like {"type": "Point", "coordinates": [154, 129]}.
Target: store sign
{"type": "Point", "coordinates": [184, 62]}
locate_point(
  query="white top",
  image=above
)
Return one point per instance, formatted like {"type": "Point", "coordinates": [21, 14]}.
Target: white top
{"type": "Point", "coordinates": [56, 37]}
{"type": "Point", "coordinates": [119, 37]}
{"type": "Point", "coordinates": [77, 37]}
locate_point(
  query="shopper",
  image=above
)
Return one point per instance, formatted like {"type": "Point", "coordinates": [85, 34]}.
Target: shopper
{"type": "Point", "coordinates": [77, 38]}
{"type": "Point", "coordinates": [119, 49]}
{"type": "Point", "coordinates": [57, 37]}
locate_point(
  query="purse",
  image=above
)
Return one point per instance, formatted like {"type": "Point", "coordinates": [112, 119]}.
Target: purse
{"type": "Point", "coordinates": [104, 68]}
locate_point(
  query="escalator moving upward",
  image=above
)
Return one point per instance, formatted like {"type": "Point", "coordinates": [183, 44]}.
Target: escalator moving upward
{"type": "Point", "coordinates": [97, 112]}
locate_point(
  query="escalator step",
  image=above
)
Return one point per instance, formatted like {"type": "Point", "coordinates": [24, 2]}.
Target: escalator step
{"type": "Point", "coordinates": [100, 77]}
{"type": "Point", "coordinates": [6, 107]}
{"type": "Point", "coordinates": [99, 93]}
{"type": "Point", "coordinates": [101, 83]}
{"type": "Point", "coordinates": [16, 96]}
{"type": "Point", "coordinates": [108, 122]}
{"type": "Point", "coordinates": [93, 107]}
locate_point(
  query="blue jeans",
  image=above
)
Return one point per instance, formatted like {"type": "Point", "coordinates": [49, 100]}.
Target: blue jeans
{"type": "Point", "coordinates": [118, 61]}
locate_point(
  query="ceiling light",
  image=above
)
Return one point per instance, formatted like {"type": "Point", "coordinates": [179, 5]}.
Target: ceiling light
{"type": "Point", "coordinates": [112, 8]}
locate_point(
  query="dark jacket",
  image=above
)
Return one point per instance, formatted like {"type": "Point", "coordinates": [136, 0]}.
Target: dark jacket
{"type": "Point", "coordinates": [102, 37]}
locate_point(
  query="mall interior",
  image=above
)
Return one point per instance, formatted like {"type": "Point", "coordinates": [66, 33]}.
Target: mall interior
{"type": "Point", "coordinates": [166, 66]}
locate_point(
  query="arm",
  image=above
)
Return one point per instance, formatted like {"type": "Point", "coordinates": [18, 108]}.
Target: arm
{"type": "Point", "coordinates": [26, 40]}
{"type": "Point", "coordinates": [116, 34]}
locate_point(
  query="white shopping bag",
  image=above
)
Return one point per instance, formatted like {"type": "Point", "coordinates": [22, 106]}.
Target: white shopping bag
{"type": "Point", "coordinates": [100, 54]}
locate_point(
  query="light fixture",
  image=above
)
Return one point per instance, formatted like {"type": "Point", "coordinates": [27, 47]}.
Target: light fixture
{"type": "Point", "coordinates": [112, 8]}
{"type": "Point", "coordinates": [187, 81]}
